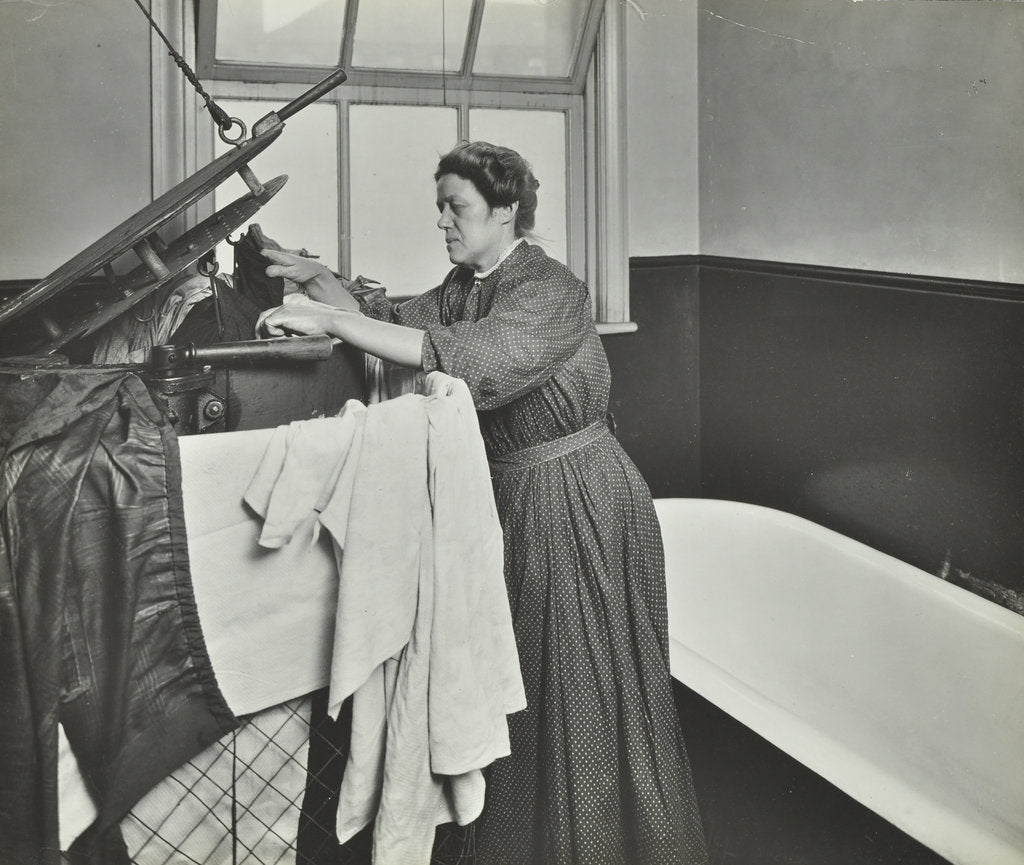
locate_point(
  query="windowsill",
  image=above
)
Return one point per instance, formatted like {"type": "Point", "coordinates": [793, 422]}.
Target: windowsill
{"type": "Point", "coordinates": [604, 328]}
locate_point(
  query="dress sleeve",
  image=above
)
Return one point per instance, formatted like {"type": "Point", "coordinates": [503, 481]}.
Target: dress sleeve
{"type": "Point", "coordinates": [531, 330]}
{"type": "Point", "coordinates": [419, 311]}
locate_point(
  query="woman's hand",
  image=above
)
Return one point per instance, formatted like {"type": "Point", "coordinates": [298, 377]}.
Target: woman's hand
{"type": "Point", "coordinates": [297, 268]}
{"type": "Point", "coordinates": [298, 315]}
{"type": "Point", "coordinates": [316, 279]}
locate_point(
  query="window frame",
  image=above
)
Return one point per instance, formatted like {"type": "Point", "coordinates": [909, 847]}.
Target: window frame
{"type": "Point", "coordinates": [463, 102]}
{"type": "Point", "coordinates": [596, 204]}
{"type": "Point", "coordinates": [209, 68]}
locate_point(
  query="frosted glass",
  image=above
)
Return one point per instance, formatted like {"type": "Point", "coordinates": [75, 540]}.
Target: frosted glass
{"type": "Point", "coordinates": [393, 153]}
{"type": "Point", "coordinates": [296, 32]}
{"type": "Point", "coordinates": [529, 37]}
{"type": "Point", "coordinates": [424, 36]}
{"type": "Point", "coordinates": [304, 213]}
{"type": "Point", "coordinates": [539, 137]}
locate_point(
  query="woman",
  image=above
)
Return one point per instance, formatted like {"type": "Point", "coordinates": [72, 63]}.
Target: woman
{"type": "Point", "coordinates": [598, 772]}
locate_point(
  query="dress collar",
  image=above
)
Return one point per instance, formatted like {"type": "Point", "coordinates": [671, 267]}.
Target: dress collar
{"type": "Point", "coordinates": [481, 274]}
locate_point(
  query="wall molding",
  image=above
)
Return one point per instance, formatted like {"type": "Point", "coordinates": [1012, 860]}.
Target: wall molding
{"type": "Point", "coordinates": [970, 288]}
{"type": "Point", "coordinates": [1007, 291]}
{"type": "Point", "coordinates": [655, 261]}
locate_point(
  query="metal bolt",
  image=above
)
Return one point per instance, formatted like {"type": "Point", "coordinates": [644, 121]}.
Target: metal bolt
{"type": "Point", "coordinates": [213, 410]}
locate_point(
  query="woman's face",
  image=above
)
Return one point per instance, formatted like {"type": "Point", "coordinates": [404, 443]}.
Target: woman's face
{"type": "Point", "coordinates": [474, 233]}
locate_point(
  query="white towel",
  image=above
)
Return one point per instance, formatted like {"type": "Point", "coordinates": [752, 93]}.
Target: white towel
{"type": "Point", "coordinates": [423, 635]}
{"type": "Point", "coordinates": [267, 617]}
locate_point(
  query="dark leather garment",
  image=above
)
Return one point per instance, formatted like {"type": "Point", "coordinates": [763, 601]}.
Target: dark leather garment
{"type": "Point", "coordinates": [98, 623]}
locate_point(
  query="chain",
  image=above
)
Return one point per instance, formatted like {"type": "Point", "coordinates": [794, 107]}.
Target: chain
{"type": "Point", "coordinates": [219, 115]}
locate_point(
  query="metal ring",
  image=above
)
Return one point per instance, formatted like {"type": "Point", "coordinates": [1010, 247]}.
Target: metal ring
{"type": "Point", "coordinates": [207, 266]}
{"type": "Point", "coordinates": [222, 130]}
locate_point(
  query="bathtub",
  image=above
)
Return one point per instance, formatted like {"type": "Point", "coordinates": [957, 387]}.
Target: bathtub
{"type": "Point", "coordinates": [903, 690]}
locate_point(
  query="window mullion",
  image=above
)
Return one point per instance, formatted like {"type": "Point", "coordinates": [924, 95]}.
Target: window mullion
{"type": "Point", "coordinates": [472, 39]}
{"type": "Point", "coordinates": [348, 37]}
{"type": "Point", "coordinates": [344, 194]}
{"type": "Point", "coordinates": [611, 284]}
{"type": "Point", "coordinates": [206, 39]}
{"type": "Point", "coordinates": [576, 199]}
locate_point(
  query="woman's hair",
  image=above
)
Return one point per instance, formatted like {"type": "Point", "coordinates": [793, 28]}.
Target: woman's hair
{"type": "Point", "coordinates": [500, 175]}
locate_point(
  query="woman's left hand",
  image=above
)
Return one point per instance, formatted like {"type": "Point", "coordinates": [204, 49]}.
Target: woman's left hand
{"type": "Point", "coordinates": [298, 315]}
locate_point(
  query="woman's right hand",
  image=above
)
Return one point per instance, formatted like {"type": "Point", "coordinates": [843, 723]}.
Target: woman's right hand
{"type": "Point", "coordinates": [316, 279]}
{"type": "Point", "coordinates": [297, 268]}
{"type": "Point", "coordinates": [298, 315]}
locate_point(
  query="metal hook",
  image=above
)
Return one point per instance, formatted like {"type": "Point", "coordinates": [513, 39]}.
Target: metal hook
{"type": "Point", "coordinates": [208, 264]}
{"type": "Point", "coordinates": [148, 318]}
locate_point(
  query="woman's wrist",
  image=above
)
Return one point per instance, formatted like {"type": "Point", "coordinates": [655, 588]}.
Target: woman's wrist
{"type": "Point", "coordinates": [327, 288]}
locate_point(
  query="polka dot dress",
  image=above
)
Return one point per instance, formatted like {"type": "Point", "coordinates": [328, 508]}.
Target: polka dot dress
{"type": "Point", "coordinates": [598, 773]}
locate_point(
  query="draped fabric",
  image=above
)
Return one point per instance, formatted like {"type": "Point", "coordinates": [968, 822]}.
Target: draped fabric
{"type": "Point", "coordinates": [98, 626]}
{"type": "Point", "coordinates": [598, 773]}
{"type": "Point", "coordinates": [423, 641]}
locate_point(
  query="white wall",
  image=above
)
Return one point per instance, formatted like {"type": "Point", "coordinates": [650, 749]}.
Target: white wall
{"type": "Point", "coordinates": [75, 154]}
{"type": "Point", "coordinates": [661, 105]}
{"type": "Point", "coordinates": [878, 135]}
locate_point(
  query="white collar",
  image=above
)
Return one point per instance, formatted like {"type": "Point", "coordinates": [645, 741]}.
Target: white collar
{"type": "Point", "coordinates": [480, 274]}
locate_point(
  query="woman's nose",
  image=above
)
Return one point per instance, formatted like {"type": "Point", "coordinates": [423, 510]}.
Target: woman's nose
{"type": "Point", "coordinates": [444, 221]}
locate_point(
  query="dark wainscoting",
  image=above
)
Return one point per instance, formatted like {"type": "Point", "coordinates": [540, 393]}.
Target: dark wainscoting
{"type": "Point", "coordinates": [887, 407]}
{"type": "Point", "coordinates": [656, 375]}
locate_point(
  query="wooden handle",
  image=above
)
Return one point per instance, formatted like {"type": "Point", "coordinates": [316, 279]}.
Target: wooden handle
{"type": "Point", "coordinates": [300, 102]}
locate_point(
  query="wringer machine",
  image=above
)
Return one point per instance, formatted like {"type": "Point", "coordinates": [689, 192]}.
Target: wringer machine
{"type": "Point", "coordinates": [201, 388]}
{"type": "Point", "coordinates": [53, 326]}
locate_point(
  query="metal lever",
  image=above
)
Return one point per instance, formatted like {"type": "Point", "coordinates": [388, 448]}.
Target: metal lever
{"type": "Point", "coordinates": [276, 118]}
{"type": "Point", "coordinates": [166, 358]}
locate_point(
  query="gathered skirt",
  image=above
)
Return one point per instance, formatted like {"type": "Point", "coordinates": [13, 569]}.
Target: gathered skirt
{"type": "Point", "coordinates": [598, 773]}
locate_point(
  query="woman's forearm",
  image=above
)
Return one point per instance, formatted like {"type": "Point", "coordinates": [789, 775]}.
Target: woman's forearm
{"type": "Point", "coordinates": [302, 315]}
{"type": "Point", "coordinates": [392, 342]}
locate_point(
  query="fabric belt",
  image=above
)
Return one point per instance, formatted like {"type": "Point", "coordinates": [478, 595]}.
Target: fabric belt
{"type": "Point", "coordinates": [552, 450]}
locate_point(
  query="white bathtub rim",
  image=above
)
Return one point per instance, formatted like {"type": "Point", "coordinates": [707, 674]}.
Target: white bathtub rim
{"type": "Point", "coordinates": [970, 602]}
{"type": "Point", "coordinates": [928, 820]}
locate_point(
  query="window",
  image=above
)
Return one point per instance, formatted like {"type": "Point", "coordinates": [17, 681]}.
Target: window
{"type": "Point", "coordinates": [537, 75]}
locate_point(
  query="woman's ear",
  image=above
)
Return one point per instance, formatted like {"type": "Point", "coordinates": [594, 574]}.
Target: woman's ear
{"type": "Point", "coordinates": [507, 212]}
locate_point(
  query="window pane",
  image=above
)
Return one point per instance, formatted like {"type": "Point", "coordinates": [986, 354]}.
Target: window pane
{"type": "Point", "coordinates": [393, 153]}
{"type": "Point", "coordinates": [304, 213]}
{"type": "Point", "coordinates": [421, 36]}
{"type": "Point", "coordinates": [539, 137]}
{"type": "Point", "coordinates": [298, 32]}
{"type": "Point", "coordinates": [529, 37]}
